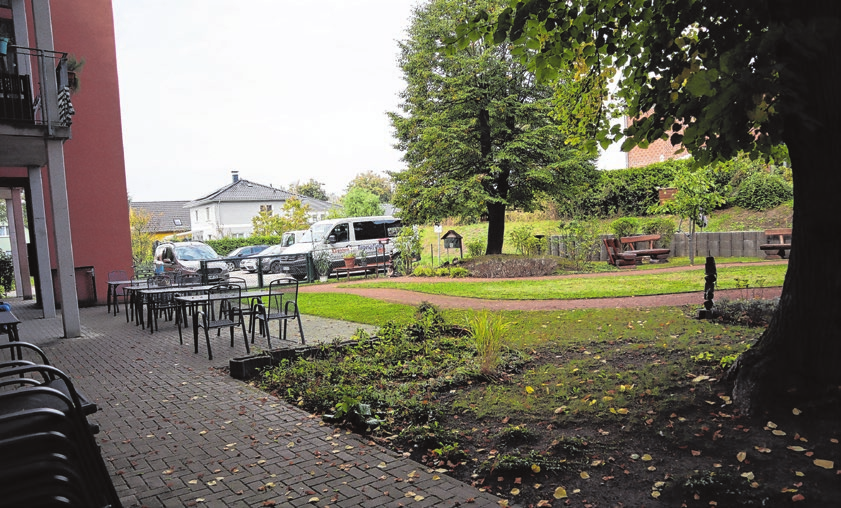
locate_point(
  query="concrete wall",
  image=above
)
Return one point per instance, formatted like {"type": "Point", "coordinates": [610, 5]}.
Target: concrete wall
{"type": "Point", "coordinates": [727, 244]}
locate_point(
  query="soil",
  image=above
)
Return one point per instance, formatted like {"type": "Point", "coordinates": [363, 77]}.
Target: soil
{"type": "Point", "coordinates": [703, 454]}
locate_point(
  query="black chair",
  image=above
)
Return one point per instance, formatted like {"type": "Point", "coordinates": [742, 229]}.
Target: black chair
{"type": "Point", "coordinates": [48, 456]}
{"type": "Point", "coordinates": [281, 306]}
{"type": "Point", "coordinates": [222, 309]}
{"type": "Point", "coordinates": [115, 292]}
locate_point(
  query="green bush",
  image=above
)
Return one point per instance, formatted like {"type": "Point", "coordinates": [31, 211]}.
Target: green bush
{"type": "Point", "coordinates": [579, 241]}
{"type": "Point", "coordinates": [521, 238]}
{"type": "Point", "coordinates": [422, 271]}
{"type": "Point", "coordinates": [663, 226]}
{"type": "Point", "coordinates": [224, 246]}
{"type": "Point", "coordinates": [626, 226]}
{"type": "Point", "coordinates": [7, 274]}
{"type": "Point", "coordinates": [457, 272]}
{"type": "Point", "coordinates": [476, 248]}
{"type": "Point", "coordinates": [629, 191]}
{"type": "Point", "coordinates": [761, 191]}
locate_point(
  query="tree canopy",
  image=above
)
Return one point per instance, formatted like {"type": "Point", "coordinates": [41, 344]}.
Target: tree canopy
{"type": "Point", "coordinates": [294, 216]}
{"type": "Point", "coordinates": [359, 202]}
{"type": "Point", "coordinates": [311, 189]}
{"type": "Point", "coordinates": [719, 76]}
{"type": "Point", "coordinates": [478, 132]}
{"type": "Point", "coordinates": [380, 185]}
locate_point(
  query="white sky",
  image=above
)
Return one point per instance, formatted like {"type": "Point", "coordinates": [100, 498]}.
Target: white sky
{"type": "Point", "coordinates": [279, 90]}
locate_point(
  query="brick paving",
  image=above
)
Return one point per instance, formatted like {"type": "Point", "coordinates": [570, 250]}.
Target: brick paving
{"type": "Point", "coordinates": [176, 430]}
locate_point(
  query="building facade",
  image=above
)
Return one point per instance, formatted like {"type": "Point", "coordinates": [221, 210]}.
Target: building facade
{"type": "Point", "coordinates": [61, 151]}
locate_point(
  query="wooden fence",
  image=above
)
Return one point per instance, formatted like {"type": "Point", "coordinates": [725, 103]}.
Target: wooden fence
{"type": "Point", "coordinates": [728, 244]}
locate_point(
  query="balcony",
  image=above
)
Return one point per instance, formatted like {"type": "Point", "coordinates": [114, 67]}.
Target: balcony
{"type": "Point", "coordinates": [30, 116]}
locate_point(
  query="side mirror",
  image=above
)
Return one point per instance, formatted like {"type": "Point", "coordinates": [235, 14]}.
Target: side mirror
{"type": "Point", "coordinates": [331, 239]}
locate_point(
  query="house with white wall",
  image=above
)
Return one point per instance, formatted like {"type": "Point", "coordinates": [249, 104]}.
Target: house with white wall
{"type": "Point", "coordinates": [227, 212]}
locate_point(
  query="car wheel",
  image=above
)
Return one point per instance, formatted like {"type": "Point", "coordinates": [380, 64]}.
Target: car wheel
{"type": "Point", "coordinates": [231, 266]}
{"type": "Point", "coordinates": [275, 267]}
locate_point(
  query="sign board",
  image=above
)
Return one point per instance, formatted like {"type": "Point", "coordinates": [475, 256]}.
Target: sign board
{"type": "Point", "coordinates": [438, 228]}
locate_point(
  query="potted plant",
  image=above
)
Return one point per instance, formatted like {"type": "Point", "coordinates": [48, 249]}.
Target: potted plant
{"type": "Point", "coordinates": [321, 262]}
{"type": "Point", "coordinates": [350, 259]}
{"type": "Point", "coordinates": [74, 68]}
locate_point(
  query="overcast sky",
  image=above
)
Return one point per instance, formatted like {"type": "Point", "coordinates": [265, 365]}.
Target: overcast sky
{"type": "Point", "coordinates": [279, 90]}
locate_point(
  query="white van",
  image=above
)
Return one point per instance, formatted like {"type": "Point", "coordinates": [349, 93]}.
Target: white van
{"type": "Point", "coordinates": [290, 238]}
{"type": "Point", "coordinates": [371, 238]}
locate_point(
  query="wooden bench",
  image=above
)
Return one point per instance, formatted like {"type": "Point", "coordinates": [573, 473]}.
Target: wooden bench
{"type": "Point", "coordinates": [654, 255]}
{"type": "Point", "coordinates": [616, 256]}
{"type": "Point", "coordinates": [779, 242]}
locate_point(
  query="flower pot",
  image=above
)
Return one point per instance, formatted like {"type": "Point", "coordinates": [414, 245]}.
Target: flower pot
{"type": "Point", "coordinates": [322, 278]}
{"type": "Point", "coordinates": [350, 262]}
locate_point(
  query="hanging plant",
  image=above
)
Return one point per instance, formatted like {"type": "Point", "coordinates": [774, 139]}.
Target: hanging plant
{"type": "Point", "coordinates": [74, 69]}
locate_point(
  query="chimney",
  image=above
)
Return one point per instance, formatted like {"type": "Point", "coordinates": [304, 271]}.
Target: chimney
{"type": "Point", "coordinates": [235, 176]}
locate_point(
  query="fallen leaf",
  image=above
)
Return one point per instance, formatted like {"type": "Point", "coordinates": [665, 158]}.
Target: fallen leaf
{"type": "Point", "coordinates": [826, 464]}
{"type": "Point", "coordinates": [529, 390]}
{"type": "Point", "coordinates": [762, 449]}
{"type": "Point", "coordinates": [796, 411]}
{"type": "Point", "coordinates": [741, 456]}
{"type": "Point", "coordinates": [535, 468]}
{"type": "Point", "coordinates": [655, 493]}
{"type": "Point", "coordinates": [778, 432]}
{"type": "Point", "coordinates": [796, 448]}
{"type": "Point", "coordinates": [748, 475]}
{"type": "Point", "coordinates": [584, 475]}
{"type": "Point", "coordinates": [646, 457]}
{"type": "Point", "coordinates": [515, 492]}
{"type": "Point", "coordinates": [696, 453]}
{"type": "Point", "coordinates": [560, 493]}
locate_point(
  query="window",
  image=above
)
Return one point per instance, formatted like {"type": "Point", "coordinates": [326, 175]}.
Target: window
{"type": "Point", "coordinates": [340, 232]}
{"type": "Point", "coordinates": [266, 208]}
{"type": "Point", "coordinates": [207, 213]}
{"type": "Point", "coordinates": [4, 230]}
{"type": "Point", "coordinates": [373, 230]}
{"type": "Point", "coordinates": [197, 215]}
{"type": "Point", "coordinates": [177, 222]}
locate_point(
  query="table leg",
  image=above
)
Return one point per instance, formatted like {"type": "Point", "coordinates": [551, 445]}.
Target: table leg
{"type": "Point", "coordinates": [196, 331]}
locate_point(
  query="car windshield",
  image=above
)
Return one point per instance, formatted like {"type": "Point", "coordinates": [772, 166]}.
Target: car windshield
{"type": "Point", "coordinates": [195, 252]}
{"type": "Point", "coordinates": [319, 231]}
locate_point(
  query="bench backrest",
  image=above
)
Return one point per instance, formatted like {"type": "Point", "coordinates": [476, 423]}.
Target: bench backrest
{"type": "Point", "coordinates": [780, 234]}
{"type": "Point", "coordinates": [640, 238]}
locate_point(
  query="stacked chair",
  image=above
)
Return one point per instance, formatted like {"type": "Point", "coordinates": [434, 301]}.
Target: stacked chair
{"type": "Point", "coordinates": [48, 454]}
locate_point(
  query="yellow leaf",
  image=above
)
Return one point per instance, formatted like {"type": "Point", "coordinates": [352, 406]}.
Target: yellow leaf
{"type": "Point", "coordinates": [515, 492]}
{"type": "Point", "coordinates": [778, 432]}
{"type": "Point", "coordinates": [796, 448]}
{"type": "Point", "coordinates": [535, 468]}
{"type": "Point", "coordinates": [529, 390]}
{"type": "Point", "coordinates": [646, 457]}
{"type": "Point", "coordinates": [799, 473]}
{"type": "Point", "coordinates": [796, 411]}
{"type": "Point", "coordinates": [826, 464]}
{"type": "Point", "coordinates": [771, 425]}
{"type": "Point", "coordinates": [418, 498]}
{"type": "Point", "coordinates": [622, 411]}
{"type": "Point", "coordinates": [560, 410]}
{"type": "Point", "coordinates": [313, 500]}
{"type": "Point", "coordinates": [584, 475]}
{"type": "Point", "coordinates": [655, 493]}
{"type": "Point", "coordinates": [560, 493]}
{"type": "Point", "coordinates": [747, 475]}
{"type": "Point", "coordinates": [741, 456]}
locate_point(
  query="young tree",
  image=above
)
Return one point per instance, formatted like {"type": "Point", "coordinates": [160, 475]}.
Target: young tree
{"type": "Point", "coordinates": [478, 132]}
{"type": "Point", "coordinates": [696, 196]}
{"type": "Point", "coordinates": [720, 76]}
{"type": "Point", "coordinates": [294, 215]}
{"type": "Point", "coordinates": [376, 184]}
{"type": "Point", "coordinates": [141, 236]}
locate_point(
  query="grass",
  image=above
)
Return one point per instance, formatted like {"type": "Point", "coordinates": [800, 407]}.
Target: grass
{"type": "Point", "coordinates": [612, 285]}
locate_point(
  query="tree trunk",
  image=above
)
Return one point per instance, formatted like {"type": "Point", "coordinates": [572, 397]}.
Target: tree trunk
{"type": "Point", "coordinates": [799, 355]}
{"type": "Point", "coordinates": [496, 228]}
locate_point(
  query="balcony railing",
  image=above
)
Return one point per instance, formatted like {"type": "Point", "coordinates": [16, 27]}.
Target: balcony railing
{"type": "Point", "coordinates": [19, 103]}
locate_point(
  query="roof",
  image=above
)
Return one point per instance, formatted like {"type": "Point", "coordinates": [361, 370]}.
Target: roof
{"type": "Point", "coordinates": [165, 216]}
{"type": "Point", "coordinates": [244, 191]}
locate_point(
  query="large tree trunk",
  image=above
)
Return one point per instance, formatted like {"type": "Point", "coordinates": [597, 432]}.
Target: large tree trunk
{"type": "Point", "coordinates": [800, 353]}
{"type": "Point", "coordinates": [496, 228]}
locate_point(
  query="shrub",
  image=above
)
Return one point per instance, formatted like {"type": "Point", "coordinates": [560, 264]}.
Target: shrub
{"type": "Point", "coordinates": [579, 242]}
{"type": "Point", "coordinates": [422, 271]}
{"type": "Point", "coordinates": [408, 245]}
{"type": "Point", "coordinates": [475, 248]}
{"type": "Point", "coordinates": [442, 272]}
{"type": "Point", "coordinates": [521, 237]}
{"type": "Point", "coordinates": [663, 226]}
{"type": "Point", "coordinates": [626, 226]}
{"type": "Point", "coordinates": [223, 246]}
{"type": "Point", "coordinates": [7, 274]}
{"type": "Point", "coordinates": [458, 272]}
{"type": "Point", "coordinates": [761, 191]}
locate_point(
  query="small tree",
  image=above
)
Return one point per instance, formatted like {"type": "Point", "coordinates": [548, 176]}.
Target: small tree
{"type": "Point", "coordinates": [311, 189]}
{"type": "Point", "coordinates": [295, 215]}
{"type": "Point", "coordinates": [697, 195]}
{"type": "Point", "coordinates": [408, 244]}
{"type": "Point", "coordinates": [141, 236]}
{"type": "Point", "coordinates": [381, 186]}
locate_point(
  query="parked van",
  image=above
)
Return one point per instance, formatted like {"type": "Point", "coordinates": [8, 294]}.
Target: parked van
{"type": "Point", "coordinates": [186, 257]}
{"type": "Point", "coordinates": [290, 238]}
{"type": "Point", "coordinates": [371, 238]}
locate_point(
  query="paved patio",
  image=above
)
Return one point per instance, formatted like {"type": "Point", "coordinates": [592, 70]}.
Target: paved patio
{"type": "Point", "coordinates": [176, 430]}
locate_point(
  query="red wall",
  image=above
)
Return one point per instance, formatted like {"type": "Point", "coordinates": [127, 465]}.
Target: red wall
{"type": "Point", "coordinates": [96, 176]}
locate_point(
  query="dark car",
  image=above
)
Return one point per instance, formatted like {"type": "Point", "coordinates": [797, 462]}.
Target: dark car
{"type": "Point", "coordinates": [235, 257]}
{"type": "Point", "coordinates": [270, 262]}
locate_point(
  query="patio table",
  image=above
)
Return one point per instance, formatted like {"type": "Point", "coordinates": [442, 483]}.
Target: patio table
{"type": "Point", "coordinates": [194, 300]}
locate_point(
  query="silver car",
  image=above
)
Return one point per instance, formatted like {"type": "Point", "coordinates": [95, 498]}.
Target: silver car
{"type": "Point", "coordinates": [271, 263]}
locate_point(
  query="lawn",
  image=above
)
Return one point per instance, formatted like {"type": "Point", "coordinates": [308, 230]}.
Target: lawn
{"type": "Point", "coordinates": [638, 283]}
